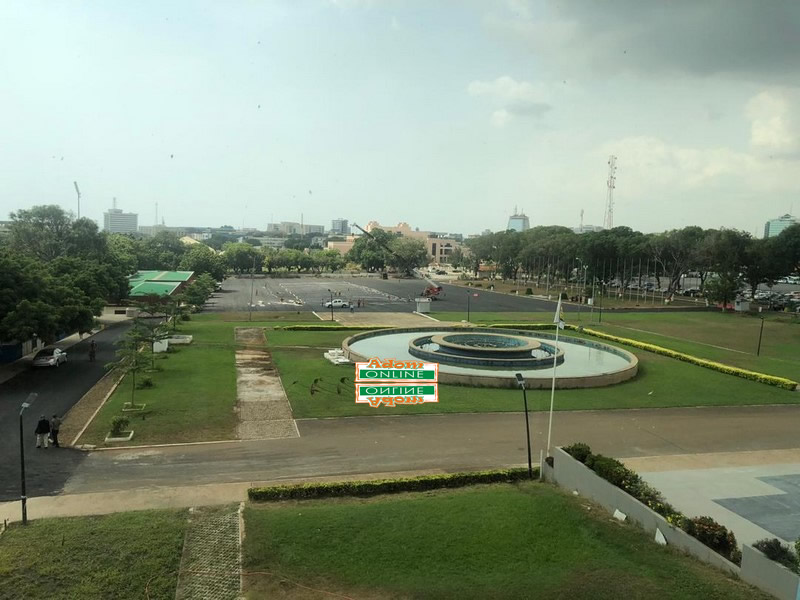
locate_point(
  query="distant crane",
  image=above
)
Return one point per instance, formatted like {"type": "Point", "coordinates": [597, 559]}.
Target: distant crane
{"type": "Point", "coordinates": [77, 189]}
{"type": "Point", "coordinates": [608, 221]}
{"type": "Point", "coordinates": [432, 291]}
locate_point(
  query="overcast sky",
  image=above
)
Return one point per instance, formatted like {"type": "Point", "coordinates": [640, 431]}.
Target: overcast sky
{"type": "Point", "coordinates": [444, 114]}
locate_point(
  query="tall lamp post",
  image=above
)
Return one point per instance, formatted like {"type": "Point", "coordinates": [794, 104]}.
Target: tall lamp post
{"type": "Point", "coordinates": [760, 333]}
{"type": "Point", "coordinates": [23, 492]}
{"type": "Point", "coordinates": [521, 382]}
{"type": "Point", "coordinates": [252, 275]}
{"type": "Point", "coordinates": [583, 289]}
{"type": "Point", "coordinates": [331, 292]}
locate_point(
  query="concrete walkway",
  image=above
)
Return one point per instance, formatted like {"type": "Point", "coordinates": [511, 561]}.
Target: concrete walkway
{"type": "Point", "coordinates": [371, 319]}
{"type": "Point", "coordinates": [262, 405]}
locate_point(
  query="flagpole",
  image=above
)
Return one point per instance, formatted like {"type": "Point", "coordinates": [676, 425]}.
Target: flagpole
{"type": "Point", "coordinates": [552, 392]}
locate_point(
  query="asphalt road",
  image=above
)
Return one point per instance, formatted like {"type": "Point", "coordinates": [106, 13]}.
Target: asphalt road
{"type": "Point", "coordinates": [451, 442]}
{"type": "Point", "coordinates": [58, 389]}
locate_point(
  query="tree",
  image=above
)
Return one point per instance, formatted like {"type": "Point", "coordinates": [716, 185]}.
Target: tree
{"type": "Point", "coordinates": [42, 231]}
{"type": "Point", "coordinates": [723, 288]}
{"type": "Point", "coordinates": [163, 251]}
{"type": "Point", "coordinates": [130, 359]}
{"type": "Point", "coordinates": [762, 262]}
{"type": "Point", "coordinates": [788, 244]}
{"type": "Point", "coordinates": [459, 259]}
{"type": "Point", "coordinates": [200, 290]}
{"type": "Point", "coordinates": [242, 257]}
{"type": "Point", "coordinates": [407, 254]}
{"type": "Point", "coordinates": [202, 259]}
{"type": "Point", "coordinates": [370, 251]}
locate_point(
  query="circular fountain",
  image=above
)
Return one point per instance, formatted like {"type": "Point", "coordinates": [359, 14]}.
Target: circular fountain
{"type": "Point", "coordinates": [483, 357]}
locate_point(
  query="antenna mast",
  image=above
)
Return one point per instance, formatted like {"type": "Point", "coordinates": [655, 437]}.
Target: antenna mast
{"type": "Point", "coordinates": [581, 230]}
{"type": "Point", "coordinates": [608, 221]}
{"type": "Point", "coordinates": [79, 197]}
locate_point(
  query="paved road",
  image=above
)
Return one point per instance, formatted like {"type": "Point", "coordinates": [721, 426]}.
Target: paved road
{"type": "Point", "coordinates": [58, 389]}
{"type": "Point", "coordinates": [452, 442]}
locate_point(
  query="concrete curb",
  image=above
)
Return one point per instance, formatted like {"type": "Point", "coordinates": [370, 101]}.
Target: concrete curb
{"type": "Point", "coordinates": [102, 404]}
{"type": "Point", "coordinates": [426, 316]}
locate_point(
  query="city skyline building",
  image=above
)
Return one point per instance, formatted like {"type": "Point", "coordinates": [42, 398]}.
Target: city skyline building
{"type": "Point", "coordinates": [773, 227]}
{"type": "Point", "coordinates": [117, 221]}
{"type": "Point", "coordinates": [519, 221]}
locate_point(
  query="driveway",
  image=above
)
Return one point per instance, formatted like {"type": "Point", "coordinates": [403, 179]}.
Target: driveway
{"type": "Point", "coordinates": [58, 389]}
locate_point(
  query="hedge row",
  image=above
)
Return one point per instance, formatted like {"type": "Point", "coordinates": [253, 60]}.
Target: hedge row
{"type": "Point", "coordinates": [384, 486]}
{"type": "Point", "coordinates": [781, 382]}
{"type": "Point", "coordinates": [332, 327]}
{"type": "Point", "coordinates": [704, 529]}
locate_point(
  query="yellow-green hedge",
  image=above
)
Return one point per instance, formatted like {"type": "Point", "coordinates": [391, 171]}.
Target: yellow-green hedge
{"type": "Point", "coordinates": [781, 382]}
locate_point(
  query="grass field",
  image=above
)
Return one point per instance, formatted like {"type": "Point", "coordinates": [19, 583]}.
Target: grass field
{"type": "Point", "coordinates": [93, 558]}
{"type": "Point", "coordinates": [661, 382]}
{"type": "Point", "coordinates": [729, 338]}
{"type": "Point", "coordinates": [501, 541]}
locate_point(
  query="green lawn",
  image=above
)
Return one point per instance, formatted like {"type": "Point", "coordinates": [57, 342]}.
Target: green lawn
{"type": "Point", "coordinates": [93, 558]}
{"type": "Point", "coordinates": [526, 540]}
{"type": "Point", "coordinates": [729, 338]}
{"type": "Point", "coordinates": [193, 397]}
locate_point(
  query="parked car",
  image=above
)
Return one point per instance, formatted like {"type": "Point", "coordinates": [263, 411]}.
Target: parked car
{"type": "Point", "coordinates": [337, 303]}
{"type": "Point", "coordinates": [49, 357]}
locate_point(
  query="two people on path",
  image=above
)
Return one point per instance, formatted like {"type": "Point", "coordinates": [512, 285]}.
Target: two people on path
{"type": "Point", "coordinates": [47, 431]}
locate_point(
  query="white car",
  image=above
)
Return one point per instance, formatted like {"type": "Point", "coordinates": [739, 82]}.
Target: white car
{"type": "Point", "coordinates": [49, 357]}
{"type": "Point", "coordinates": [337, 303]}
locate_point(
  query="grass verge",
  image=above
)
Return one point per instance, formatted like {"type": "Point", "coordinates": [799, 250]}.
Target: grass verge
{"type": "Point", "coordinates": [112, 556]}
{"type": "Point", "coordinates": [497, 541]}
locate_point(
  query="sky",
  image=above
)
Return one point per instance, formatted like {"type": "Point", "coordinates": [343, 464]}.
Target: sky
{"type": "Point", "coordinates": [440, 113]}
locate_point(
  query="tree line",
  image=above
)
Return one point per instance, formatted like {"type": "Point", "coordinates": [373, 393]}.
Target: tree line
{"type": "Point", "coordinates": [724, 260]}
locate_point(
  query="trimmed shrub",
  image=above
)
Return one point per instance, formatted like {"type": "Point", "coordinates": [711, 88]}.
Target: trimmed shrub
{"type": "Point", "coordinates": [578, 451]}
{"type": "Point", "coordinates": [384, 486]}
{"type": "Point", "coordinates": [715, 536]}
{"type": "Point", "coordinates": [118, 425]}
{"type": "Point", "coordinates": [775, 550]}
{"type": "Point", "coordinates": [529, 291]}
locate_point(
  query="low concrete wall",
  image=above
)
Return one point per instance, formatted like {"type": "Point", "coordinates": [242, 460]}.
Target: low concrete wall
{"type": "Point", "coordinates": [571, 475]}
{"type": "Point", "coordinates": [766, 574]}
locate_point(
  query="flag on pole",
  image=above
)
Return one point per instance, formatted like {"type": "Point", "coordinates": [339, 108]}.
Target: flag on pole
{"type": "Point", "coordinates": [559, 316]}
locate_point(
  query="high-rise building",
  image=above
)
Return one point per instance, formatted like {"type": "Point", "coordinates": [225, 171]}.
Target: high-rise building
{"type": "Point", "coordinates": [340, 227]}
{"type": "Point", "coordinates": [518, 221]}
{"type": "Point", "coordinates": [116, 221]}
{"type": "Point", "coordinates": [290, 227]}
{"type": "Point", "coordinates": [773, 227]}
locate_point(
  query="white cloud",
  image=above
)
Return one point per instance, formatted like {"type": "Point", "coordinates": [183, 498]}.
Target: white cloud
{"type": "Point", "coordinates": [394, 24]}
{"type": "Point", "coordinates": [512, 97]}
{"type": "Point", "coordinates": [775, 126]}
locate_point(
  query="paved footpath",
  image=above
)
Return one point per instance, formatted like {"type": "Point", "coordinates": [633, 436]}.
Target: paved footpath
{"type": "Point", "coordinates": [349, 447]}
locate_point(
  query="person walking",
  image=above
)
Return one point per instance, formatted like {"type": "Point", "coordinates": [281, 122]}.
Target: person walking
{"type": "Point", "coordinates": [55, 425]}
{"type": "Point", "coordinates": [92, 350]}
{"type": "Point", "coordinates": [42, 432]}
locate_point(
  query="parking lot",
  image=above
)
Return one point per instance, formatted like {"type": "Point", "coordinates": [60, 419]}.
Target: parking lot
{"type": "Point", "coordinates": [375, 294]}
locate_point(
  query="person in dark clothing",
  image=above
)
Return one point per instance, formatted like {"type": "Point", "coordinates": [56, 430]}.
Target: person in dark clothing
{"type": "Point", "coordinates": [92, 350]}
{"type": "Point", "coordinates": [55, 425]}
{"type": "Point", "coordinates": [42, 432]}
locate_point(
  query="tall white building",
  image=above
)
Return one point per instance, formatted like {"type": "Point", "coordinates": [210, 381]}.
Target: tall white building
{"type": "Point", "coordinates": [518, 221]}
{"type": "Point", "coordinates": [340, 227]}
{"type": "Point", "coordinates": [116, 221]}
{"type": "Point", "coordinates": [773, 227]}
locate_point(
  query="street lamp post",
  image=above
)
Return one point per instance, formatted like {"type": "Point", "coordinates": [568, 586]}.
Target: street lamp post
{"type": "Point", "coordinates": [252, 275]}
{"type": "Point", "coordinates": [521, 382]}
{"type": "Point", "coordinates": [469, 295]}
{"type": "Point", "coordinates": [582, 290]}
{"type": "Point", "coordinates": [760, 333]}
{"type": "Point", "coordinates": [23, 491]}
{"type": "Point", "coordinates": [331, 292]}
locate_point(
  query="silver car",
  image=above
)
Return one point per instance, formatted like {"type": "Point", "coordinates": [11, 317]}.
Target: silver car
{"type": "Point", "coordinates": [49, 357]}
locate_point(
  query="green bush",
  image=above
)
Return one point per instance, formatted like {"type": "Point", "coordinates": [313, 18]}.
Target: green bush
{"type": "Point", "coordinates": [775, 550]}
{"type": "Point", "coordinates": [384, 486]}
{"type": "Point", "coordinates": [578, 451]}
{"type": "Point", "coordinates": [478, 285]}
{"type": "Point", "coordinates": [529, 291]}
{"type": "Point", "coordinates": [715, 536]}
{"type": "Point", "coordinates": [613, 471]}
{"type": "Point", "coordinates": [118, 425]}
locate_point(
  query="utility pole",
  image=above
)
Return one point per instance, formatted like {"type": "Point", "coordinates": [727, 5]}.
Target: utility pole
{"type": "Point", "coordinates": [252, 274]}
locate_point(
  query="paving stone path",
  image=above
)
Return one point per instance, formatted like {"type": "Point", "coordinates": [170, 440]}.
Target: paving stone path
{"type": "Point", "coordinates": [211, 560]}
{"type": "Point", "coordinates": [262, 405]}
